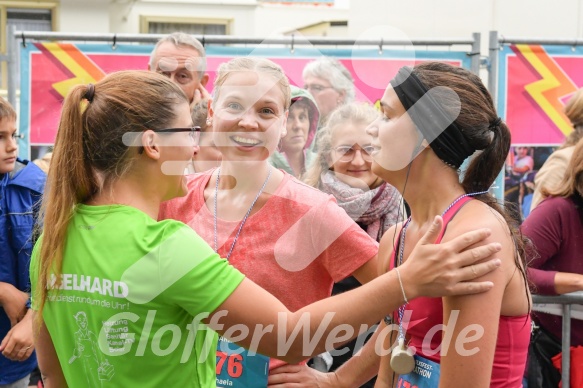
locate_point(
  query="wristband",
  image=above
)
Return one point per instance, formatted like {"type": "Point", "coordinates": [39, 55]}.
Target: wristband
{"type": "Point", "coordinates": [401, 284]}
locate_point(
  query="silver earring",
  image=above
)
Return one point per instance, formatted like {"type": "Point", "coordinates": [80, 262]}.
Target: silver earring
{"type": "Point", "coordinates": [208, 121]}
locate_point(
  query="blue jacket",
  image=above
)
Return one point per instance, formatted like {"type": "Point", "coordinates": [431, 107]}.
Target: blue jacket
{"type": "Point", "coordinates": [20, 195]}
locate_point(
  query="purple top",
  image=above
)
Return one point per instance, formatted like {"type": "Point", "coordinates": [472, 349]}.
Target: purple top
{"type": "Point", "coordinates": [555, 227]}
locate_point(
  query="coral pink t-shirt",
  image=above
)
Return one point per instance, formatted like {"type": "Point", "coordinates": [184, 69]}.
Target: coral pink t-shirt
{"type": "Point", "coordinates": [296, 246]}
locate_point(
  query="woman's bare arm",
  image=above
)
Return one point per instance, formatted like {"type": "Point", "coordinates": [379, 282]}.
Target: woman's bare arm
{"type": "Point", "coordinates": [48, 362]}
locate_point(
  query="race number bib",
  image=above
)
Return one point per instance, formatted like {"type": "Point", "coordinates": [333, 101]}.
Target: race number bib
{"type": "Point", "coordinates": [425, 375]}
{"type": "Point", "coordinates": [236, 368]}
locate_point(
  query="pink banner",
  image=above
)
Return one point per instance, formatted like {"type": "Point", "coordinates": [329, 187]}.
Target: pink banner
{"type": "Point", "coordinates": [534, 88]}
{"type": "Point", "coordinates": [53, 68]}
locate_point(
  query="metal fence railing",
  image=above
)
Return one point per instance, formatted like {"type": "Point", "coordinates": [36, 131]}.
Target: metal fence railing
{"type": "Point", "coordinates": [566, 305]}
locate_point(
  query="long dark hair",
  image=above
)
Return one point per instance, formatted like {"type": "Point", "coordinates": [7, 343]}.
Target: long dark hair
{"type": "Point", "coordinates": [483, 130]}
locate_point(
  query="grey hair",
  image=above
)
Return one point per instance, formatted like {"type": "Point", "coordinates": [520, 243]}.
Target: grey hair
{"type": "Point", "coordinates": [334, 72]}
{"type": "Point", "coordinates": [356, 113]}
{"type": "Point", "coordinates": [181, 39]}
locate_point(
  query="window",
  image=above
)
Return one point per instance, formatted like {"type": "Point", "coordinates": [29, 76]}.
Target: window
{"type": "Point", "coordinates": [23, 16]}
{"type": "Point", "coordinates": [168, 25]}
{"type": "Point", "coordinates": [29, 19]}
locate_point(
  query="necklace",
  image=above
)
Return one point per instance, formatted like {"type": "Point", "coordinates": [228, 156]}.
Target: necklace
{"type": "Point", "coordinates": [401, 358]}
{"type": "Point", "coordinates": [244, 218]}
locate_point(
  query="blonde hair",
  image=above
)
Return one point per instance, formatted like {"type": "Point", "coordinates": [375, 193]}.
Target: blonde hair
{"type": "Point", "coordinates": [90, 152]}
{"type": "Point", "coordinates": [6, 110]}
{"type": "Point", "coordinates": [353, 113]}
{"type": "Point", "coordinates": [574, 111]}
{"type": "Point", "coordinates": [44, 162]}
{"type": "Point", "coordinates": [572, 182]}
{"type": "Point", "coordinates": [259, 65]}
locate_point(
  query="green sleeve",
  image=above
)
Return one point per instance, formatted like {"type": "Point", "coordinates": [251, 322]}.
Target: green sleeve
{"type": "Point", "coordinates": [33, 271]}
{"type": "Point", "coordinates": [185, 271]}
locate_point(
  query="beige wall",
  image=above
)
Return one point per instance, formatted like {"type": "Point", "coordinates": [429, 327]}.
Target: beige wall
{"type": "Point", "coordinates": [460, 18]}
{"type": "Point", "coordinates": [125, 18]}
{"type": "Point", "coordinates": [280, 19]}
{"type": "Point", "coordinates": [419, 18]}
{"type": "Point", "coordinates": [84, 16]}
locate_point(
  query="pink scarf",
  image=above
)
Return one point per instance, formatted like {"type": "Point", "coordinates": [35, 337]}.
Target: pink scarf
{"type": "Point", "coordinates": [378, 208]}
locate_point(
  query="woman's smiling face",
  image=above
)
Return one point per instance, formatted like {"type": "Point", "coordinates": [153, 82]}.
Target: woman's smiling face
{"type": "Point", "coordinates": [249, 116]}
{"type": "Point", "coordinates": [350, 155]}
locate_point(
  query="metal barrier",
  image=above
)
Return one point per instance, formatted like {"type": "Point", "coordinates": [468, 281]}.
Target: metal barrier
{"type": "Point", "coordinates": [566, 301]}
{"type": "Point", "coordinates": [20, 37]}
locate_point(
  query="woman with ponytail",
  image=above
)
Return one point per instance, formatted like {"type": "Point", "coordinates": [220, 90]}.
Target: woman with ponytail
{"type": "Point", "coordinates": [434, 117]}
{"type": "Point", "coordinates": [118, 294]}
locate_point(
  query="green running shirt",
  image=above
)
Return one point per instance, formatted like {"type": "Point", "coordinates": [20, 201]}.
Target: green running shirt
{"type": "Point", "coordinates": [132, 296]}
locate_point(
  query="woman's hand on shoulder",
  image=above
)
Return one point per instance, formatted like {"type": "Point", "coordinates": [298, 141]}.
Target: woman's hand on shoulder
{"type": "Point", "coordinates": [449, 268]}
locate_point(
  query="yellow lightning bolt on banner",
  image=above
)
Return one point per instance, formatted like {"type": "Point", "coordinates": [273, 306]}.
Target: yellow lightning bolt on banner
{"type": "Point", "coordinates": [83, 69]}
{"type": "Point", "coordinates": [551, 88]}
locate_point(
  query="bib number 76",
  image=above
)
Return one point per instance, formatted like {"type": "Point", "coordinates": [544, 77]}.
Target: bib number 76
{"type": "Point", "coordinates": [233, 363]}
{"type": "Point", "coordinates": [405, 384]}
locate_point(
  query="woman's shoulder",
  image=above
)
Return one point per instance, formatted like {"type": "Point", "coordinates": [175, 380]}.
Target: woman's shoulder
{"type": "Point", "coordinates": [558, 201]}
{"type": "Point", "coordinates": [555, 206]}
{"type": "Point", "coordinates": [476, 214]}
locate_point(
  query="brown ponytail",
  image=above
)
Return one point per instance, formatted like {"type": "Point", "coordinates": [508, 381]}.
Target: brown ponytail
{"type": "Point", "coordinates": [485, 132]}
{"type": "Point", "coordinates": [90, 152]}
{"type": "Point", "coordinates": [64, 190]}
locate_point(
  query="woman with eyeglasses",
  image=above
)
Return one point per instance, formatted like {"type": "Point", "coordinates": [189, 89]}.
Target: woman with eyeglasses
{"type": "Point", "coordinates": [117, 294]}
{"type": "Point", "coordinates": [330, 83]}
{"type": "Point", "coordinates": [343, 169]}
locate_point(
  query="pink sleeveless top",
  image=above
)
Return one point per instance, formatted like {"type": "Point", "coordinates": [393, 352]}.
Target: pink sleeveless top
{"type": "Point", "coordinates": [427, 313]}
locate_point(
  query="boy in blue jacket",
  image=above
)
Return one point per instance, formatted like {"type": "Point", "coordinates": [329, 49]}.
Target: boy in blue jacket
{"type": "Point", "coordinates": [21, 186]}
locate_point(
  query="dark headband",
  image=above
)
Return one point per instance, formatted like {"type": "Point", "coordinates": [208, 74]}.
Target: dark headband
{"type": "Point", "coordinates": [450, 145]}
